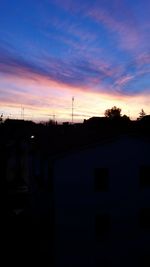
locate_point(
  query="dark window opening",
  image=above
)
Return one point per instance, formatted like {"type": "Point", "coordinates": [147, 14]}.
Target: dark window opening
{"type": "Point", "coordinates": [144, 259]}
{"type": "Point", "coordinates": [50, 179]}
{"type": "Point", "coordinates": [102, 226]}
{"type": "Point", "coordinates": [144, 218]}
{"type": "Point", "coordinates": [101, 180]}
{"type": "Point", "coordinates": [144, 176]}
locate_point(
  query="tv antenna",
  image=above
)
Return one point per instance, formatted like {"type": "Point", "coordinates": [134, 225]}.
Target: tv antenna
{"type": "Point", "coordinates": [22, 113]}
{"type": "Point", "coordinates": [72, 108]}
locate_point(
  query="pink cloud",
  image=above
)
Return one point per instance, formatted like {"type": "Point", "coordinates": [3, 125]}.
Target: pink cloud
{"type": "Point", "coordinates": [43, 96]}
{"type": "Point", "coordinates": [129, 36]}
{"type": "Point", "coordinates": [124, 80]}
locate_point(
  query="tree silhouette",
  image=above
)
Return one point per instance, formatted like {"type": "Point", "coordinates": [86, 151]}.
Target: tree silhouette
{"type": "Point", "coordinates": [114, 112]}
{"type": "Point", "coordinates": [142, 114]}
{"type": "Point", "coordinates": [1, 118]}
{"type": "Point", "coordinates": [125, 118]}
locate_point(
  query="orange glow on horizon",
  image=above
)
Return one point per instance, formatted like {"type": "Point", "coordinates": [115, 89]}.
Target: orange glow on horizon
{"type": "Point", "coordinates": [42, 98]}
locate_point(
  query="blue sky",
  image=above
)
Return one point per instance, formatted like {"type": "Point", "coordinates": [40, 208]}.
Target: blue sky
{"type": "Point", "coordinates": [97, 51]}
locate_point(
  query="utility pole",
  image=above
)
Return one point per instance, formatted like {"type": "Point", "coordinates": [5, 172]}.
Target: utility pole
{"type": "Point", "coordinates": [72, 108]}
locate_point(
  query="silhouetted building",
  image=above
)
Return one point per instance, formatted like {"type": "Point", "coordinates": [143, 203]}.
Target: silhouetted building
{"type": "Point", "coordinates": [102, 204]}
{"type": "Point", "coordinates": [81, 192]}
{"type": "Point", "coordinates": [29, 201]}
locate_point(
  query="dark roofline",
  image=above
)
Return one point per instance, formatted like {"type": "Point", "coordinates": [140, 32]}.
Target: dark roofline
{"type": "Point", "coordinates": [84, 147]}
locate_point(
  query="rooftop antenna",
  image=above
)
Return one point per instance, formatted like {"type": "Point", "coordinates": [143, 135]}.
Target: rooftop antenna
{"type": "Point", "coordinates": [72, 108]}
{"type": "Point", "coordinates": [54, 117]}
{"type": "Point", "coordinates": [22, 113]}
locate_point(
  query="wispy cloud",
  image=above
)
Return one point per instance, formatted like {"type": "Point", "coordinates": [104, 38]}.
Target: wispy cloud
{"type": "Point", "coordinates": [98, 48]}
{"type": "Point", "coordinates": [117, 17]}
{"type": "Point", "coordinates": [74, 73]}
{"type": "Point", "coordinates": [84, 72]}
{"type": "Point", "coordinates": [126, 32]}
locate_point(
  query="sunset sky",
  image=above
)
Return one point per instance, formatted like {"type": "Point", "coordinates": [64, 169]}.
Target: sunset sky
{"type": "Point", "coordinates": [95, 50]}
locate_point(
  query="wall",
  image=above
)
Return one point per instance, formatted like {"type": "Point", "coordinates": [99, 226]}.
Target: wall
{"type": "Point", "coordinates": [76, 203]}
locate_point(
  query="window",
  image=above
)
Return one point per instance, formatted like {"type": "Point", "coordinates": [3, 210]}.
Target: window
{"type": "Point", "coordinates": [102, 226]}
{"type": "Point", "coordinates": [144, 259]}
{"type": "Point", "coordinates": [144, 176]}
{"type": "Point", "coordinates": [50, 179]}
{"type": "Point", "coordinates": [101, 180]}
{"type": "Point", "coordinates": [104, 262]}
{"type": "Point", "coordinates": [144, 218]}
